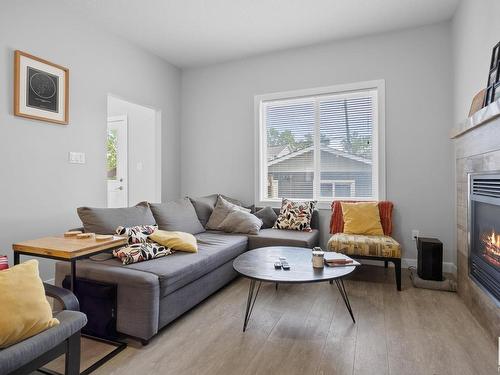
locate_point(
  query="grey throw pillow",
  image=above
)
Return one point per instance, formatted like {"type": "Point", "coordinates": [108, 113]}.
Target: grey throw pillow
{"type": "Point", "coordinates": [221, 210]}
{"type": "Point", "coordinates": [106, 220]}
{"type": "Point", "coordinates": [238, 221]}
{"type": "Point", "coordinates": [268, 217]}
{"type": "Point", "coordinates": [204, 207]}
{"type": "Point", "coordinates": [178, 215]}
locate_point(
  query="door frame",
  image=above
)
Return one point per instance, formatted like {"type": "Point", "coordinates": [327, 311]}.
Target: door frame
{"type": "Point", "coordinates": [158, 136]}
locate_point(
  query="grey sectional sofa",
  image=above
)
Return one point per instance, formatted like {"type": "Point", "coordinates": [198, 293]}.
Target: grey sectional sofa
{"type": "Point", "coordinates": [152, 294]}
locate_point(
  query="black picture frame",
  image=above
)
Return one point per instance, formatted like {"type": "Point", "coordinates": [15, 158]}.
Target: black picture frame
{"type": "Point", "coordinates": [495, 95]}
{"type": "Point", "coordinates": [495, 56]}
{"type": "Point", "coordinates": [493, 76]}
{"type": "Point", "coordinates": [488, 96]}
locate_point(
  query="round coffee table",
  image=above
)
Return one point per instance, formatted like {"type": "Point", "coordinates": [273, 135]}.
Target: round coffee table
{"type": "Point", "coordinates": [258, 266]}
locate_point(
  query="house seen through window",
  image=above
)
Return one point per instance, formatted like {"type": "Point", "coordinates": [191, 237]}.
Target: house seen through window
{"type": "Point", "coordinates": [319, 146]}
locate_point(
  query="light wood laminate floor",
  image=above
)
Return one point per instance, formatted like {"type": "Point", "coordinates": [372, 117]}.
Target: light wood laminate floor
{"type": "Point", "coordinates": [306, 329]}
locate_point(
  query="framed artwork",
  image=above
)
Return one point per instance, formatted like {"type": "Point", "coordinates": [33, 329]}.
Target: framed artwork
{"type": "Point", "coordinates": [489, 96]}
{"type": "Point", "coordinates": [493, 76]}
{"type": "Point", "coordinates": [495, 56]}
{"type": "Point", "coordinates": [496, 92]}
{"type": "Point", "coordinates": [41, 89]}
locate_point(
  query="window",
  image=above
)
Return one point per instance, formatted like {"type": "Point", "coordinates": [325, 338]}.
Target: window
{"type": "Point", "coordinates": [321, 144]}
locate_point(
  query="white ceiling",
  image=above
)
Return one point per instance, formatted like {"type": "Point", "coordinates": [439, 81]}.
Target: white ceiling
{"type": "Point", "coordinates": [199, 32]}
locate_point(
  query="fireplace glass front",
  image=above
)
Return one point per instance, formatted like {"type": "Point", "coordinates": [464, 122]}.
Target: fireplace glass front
{"type": "Point", "coordinates": [484, 253]}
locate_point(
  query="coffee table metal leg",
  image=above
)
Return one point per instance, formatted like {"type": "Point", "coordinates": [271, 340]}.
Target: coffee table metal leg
{"type": "Point", "coordinates": [250, 302]}
{"type": "Point", "coordinates": [343, 293]}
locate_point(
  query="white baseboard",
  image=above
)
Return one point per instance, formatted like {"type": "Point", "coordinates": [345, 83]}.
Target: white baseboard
{"type": "Point", "coordinates": [448, 267]}
{"type": "Point", "coordinates": [50, 281]}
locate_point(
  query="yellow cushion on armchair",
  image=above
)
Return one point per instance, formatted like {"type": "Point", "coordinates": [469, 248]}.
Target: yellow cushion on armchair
{"type": "Point", "coordinates": [361, 218]}
{"type": "Point", "coordinates": [24, 309]}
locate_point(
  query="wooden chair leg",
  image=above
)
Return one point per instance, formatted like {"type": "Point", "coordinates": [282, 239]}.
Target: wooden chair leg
{"type": "Point", "coordinates": [72, 362]}
{"type": "Point", "coordinates": [397, 266]}
{"type": "Point", "coordinates": [386, 263]}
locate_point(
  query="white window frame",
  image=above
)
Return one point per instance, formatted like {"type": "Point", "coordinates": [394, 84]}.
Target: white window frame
{"type": "Point", "coordinates": [378, 138]}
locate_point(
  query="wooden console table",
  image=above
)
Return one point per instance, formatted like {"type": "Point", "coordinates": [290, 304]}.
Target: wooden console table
{"type": "Point", "coordinates": [67, 249]}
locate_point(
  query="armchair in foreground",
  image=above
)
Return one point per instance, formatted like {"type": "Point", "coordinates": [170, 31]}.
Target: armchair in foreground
{"type": "Point", "coordinates": [31, 354]}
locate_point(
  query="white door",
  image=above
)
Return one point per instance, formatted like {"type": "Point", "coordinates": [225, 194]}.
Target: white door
{"type": "Point", "coordinates": [117, 161]}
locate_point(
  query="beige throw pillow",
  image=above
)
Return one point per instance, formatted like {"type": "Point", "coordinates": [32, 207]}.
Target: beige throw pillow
{"type": "Point", "coordinates": [221, 210]}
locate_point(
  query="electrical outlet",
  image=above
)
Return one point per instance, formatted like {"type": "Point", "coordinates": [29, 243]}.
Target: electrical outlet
{"type": "Point", "coordinates": [415, 234]}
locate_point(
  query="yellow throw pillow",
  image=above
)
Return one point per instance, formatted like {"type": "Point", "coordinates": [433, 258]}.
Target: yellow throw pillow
{"type": "Point", "coordinates": [180, 241]}
{"type": "Point", "coordinates": [362, 218]}
{"type": "Point", "coordinates": [24, 309]}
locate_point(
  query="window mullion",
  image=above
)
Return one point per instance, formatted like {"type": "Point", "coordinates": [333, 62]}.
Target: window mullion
{"type": "Point", "coordinates": [317, 152]}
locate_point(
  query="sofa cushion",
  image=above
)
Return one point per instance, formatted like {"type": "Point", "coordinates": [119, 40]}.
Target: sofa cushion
{"type": "Point", "coordinates": [220, 211]}
{"type": "Point", "coordinates": [268, 217]}
{"type": "Point", "coordinates": [238, 221]}
{"type": "Point", "coordinates": [204, 207]}
{"type": "Point", "coordinates": [282, 237]}
{"type": "Point", "coordinates": [179, 269]}
{"type": "Point", "coordinates": [106, 220]}
{"type": "Point", "coordinates": [178, 215]}
{"type": "Point", "coordinates": [357, 244]}
{"type": "Point", "coordinates": [295, 215]}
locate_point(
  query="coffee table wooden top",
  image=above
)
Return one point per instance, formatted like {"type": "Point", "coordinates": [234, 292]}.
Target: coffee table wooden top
{"type": "Point", "coordinates": [258, 264]}
{"type": "Point", "coordinates": [66, 247]}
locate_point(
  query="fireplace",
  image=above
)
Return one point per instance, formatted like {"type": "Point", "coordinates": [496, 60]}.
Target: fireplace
{"type": "Point", "coordinates": [484, 235]}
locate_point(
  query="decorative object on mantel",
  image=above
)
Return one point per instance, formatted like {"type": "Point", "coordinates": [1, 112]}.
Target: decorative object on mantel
{"type": "Point", "coordinates": [41, 89]}
{"type": "Point", "coordinates": [477, 102]}
{"type": "Point", "coordinates": [493, 75]}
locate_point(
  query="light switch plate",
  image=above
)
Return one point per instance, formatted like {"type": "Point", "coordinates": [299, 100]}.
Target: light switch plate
{"type": "Point", "coordinates": [76, 157]}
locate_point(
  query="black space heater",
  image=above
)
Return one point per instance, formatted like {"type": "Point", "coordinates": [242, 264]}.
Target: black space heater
{"type": "Point", "coordinates": [430, 259]}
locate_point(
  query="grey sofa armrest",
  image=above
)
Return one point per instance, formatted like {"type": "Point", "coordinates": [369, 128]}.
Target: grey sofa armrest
{"type": "Point", "coordinates": [65, 297]}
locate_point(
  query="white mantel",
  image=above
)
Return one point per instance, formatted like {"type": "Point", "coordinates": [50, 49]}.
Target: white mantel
{"type": "Point", "coordinates": [481, 117]}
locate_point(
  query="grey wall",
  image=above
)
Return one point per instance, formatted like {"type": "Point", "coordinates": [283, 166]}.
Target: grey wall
{"type": "Point", "coordinates": [217, 134]}
{"type": "Point", "coordinates": [39, 189]}
{"type": "Point", "coordinates": [476, 29]}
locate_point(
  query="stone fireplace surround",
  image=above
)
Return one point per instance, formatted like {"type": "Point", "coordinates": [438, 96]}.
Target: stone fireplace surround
{"type": "Point", "coordinates": [477, 149]}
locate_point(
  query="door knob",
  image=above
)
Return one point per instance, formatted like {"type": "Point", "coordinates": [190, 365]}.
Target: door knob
{"type": "Point", "coordinates": [119, 188]}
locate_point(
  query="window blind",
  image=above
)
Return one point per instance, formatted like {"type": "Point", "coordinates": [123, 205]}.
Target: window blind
{"type": "Point", "coordinates": [319, 147]}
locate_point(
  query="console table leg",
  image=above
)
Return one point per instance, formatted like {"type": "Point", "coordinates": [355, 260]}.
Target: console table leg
{"type": "Point", "coordinates": [250, 302]}
{"type": "Point", "coordinates": [73, 275]}
{"type": "Point", "coordinates": [343, 293]}
{"type": "Point", "coordinates": [16, 257]}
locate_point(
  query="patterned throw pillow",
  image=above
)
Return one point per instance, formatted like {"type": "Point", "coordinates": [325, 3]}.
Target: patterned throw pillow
{"type": "Point", "coordinates": [139, 248]}
{"type": "Point", "coordinates": [137, 234]}
{"type": "Point", "coordinates": [295, 215]}
{"type": "Point", "coordinates": [140, 252]}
